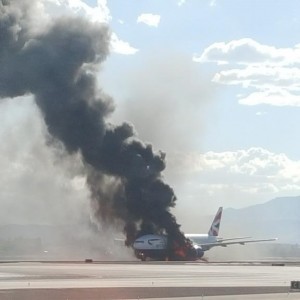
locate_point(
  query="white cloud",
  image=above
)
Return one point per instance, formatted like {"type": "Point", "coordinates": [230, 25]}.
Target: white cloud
{"type": "Point", "coordinates": [231, 178]}
{"type": "Point", "coordinates": [280, 98]}
{"type": "Point", "coordinates": [181, 2]}
{"type": "Point", "coordinates": [121, 47]}
{"type": "Point", "coordinates": [272, 73]}
{"type": "Point", "coordinates": [254, 166]}
{"type": "Point", "coordinates": [248, 51]}
{"type": "Point", "coordinates": [99, 13]}
{"type": "Point", "coordinates": [149, 19]}
{"type": "Point", "coordinates": [261, 113]}
{"type": "Point", "coordinates": [213, 3]}
{"type": "Point", "coordinates": [261, 76]}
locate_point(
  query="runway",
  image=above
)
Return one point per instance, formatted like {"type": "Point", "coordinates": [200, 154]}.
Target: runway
{"type": "Point", "coordinates": [74, 281]}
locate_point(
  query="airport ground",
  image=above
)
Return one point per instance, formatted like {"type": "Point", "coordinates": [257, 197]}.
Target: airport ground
{"type": "Point", "coordinates": [136, 280]}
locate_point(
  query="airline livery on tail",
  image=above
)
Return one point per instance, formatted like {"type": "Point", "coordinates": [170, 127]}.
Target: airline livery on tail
{"type": "Point", "coordinates": [153, 246]}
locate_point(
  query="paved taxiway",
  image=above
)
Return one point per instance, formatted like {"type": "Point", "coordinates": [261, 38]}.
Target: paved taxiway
{"type": "Point", "coordinates": [76, 281]}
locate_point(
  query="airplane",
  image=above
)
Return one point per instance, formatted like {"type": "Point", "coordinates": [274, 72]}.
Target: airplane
{"type": "Point", "coordinates": [154, 246]}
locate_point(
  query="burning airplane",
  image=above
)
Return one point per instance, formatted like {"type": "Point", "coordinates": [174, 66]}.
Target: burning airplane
{"type": "Point", "coordinates": [159, 247]}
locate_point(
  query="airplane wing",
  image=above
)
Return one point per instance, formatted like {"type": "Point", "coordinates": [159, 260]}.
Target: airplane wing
{"type": "Point", "coordinates": [225, 244]}
{"type": "Point", "coordinates": [234, 239]}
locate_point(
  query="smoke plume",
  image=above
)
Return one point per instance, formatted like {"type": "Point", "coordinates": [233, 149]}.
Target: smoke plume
{"type": "Point", "coordinates": [58, 66]}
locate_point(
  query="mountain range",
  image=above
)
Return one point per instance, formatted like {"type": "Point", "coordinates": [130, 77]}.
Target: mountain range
{"type": "Point", "coordinates": [279, 217]}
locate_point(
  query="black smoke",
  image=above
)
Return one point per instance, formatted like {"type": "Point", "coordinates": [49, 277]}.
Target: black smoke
{"type": "Point", "coordinates": [58, 66]}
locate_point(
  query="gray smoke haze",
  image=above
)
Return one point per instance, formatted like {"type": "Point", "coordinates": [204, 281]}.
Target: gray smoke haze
{"type": "Point", "coordinates": [169, 98]}
{"type": "Point", "coordinates": [174, 93]}
{"type": "Point", "coordinates": [58, 66]}
{"type": "Point", "coordinates": [40, 184]}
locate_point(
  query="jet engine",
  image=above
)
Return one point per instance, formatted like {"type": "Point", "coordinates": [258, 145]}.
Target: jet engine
{"type": "Point", "coordinates": [199, 251]}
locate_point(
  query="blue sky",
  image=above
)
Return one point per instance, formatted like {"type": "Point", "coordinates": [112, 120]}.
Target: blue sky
{"type": "Point", "coordinates": [214, 84]}
{"type": "Point", "coordinates": [244, 58]}
{"type": "Point", "coordinates": [191, 28]}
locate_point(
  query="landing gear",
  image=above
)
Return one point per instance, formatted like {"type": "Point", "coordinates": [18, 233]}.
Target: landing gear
{"type": "Point", "coordinates": [145, 255]}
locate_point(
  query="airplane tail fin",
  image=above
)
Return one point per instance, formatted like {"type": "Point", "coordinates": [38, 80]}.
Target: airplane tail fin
{"type": "Point", "coordinates": [215, 226]}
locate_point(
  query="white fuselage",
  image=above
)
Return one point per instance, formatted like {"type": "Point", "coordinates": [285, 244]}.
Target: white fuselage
{"type": "Point", "coordinates": [151, 242]}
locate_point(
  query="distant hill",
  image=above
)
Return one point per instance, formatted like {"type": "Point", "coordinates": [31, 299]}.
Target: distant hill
{"type": "Point", "coordinates": [279, 217]}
